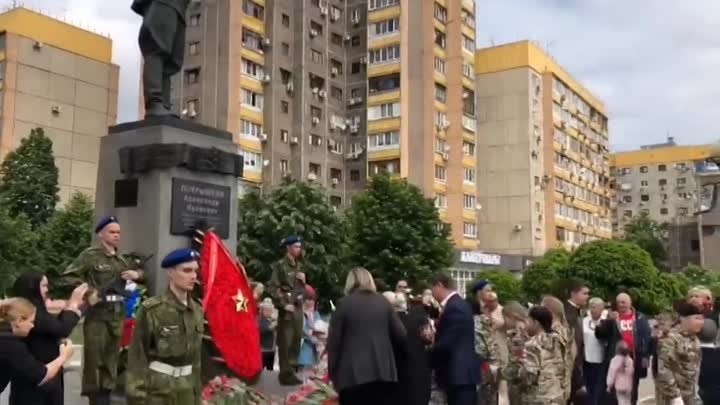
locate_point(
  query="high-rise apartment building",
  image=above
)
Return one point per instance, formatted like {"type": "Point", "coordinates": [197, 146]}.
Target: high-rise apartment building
{"type": "Point", "coordinates": [543, 162]}
{"type": "Point", "coordinates": [335, 90]}
{"type": "Point", "coordinates": [60, 78]}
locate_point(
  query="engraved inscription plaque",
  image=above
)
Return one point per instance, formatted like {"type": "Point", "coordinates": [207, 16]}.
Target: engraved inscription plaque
{"type": "Point", "coordinates": [197, 204]}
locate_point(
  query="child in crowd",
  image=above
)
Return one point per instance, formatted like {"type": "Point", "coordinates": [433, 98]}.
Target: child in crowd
{"type": "Point", "coordinates": [620, 374]}
{"type": "Point", "coordinates": [311, 345]}
{"type": "Point", "coordinates": [267, 323]}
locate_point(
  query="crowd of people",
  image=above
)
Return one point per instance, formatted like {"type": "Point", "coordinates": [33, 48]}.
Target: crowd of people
{"type": "Point", "coordinates": [391, 347]}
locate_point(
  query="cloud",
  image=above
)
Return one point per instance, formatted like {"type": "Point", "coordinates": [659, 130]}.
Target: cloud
{"type": "Point", "coordinates": [653, 62]}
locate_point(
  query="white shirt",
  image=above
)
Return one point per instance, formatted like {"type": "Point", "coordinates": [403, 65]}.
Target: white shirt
{"type": "Point", "coordinates": [594, 348]}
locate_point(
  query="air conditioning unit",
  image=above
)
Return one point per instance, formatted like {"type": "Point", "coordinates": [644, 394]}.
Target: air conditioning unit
{"type": "Point", "coordinates": [289, 87]}
{"type": "Point", "coordinates": [347, 38]}
{"type": "Point", "coordinates": [312, 176]}
{"type": "Point", "coordinates": [315, 120]}
{"type": "Point", "coordinates": [266, 79]}
{"type": "Point", "coordinates": [263, 137]}
{"type": "Point", "coordinates": [517, 227]}
{"type": "Point", "coordinates": [313, 33]}
{"type": "Point", "coordinates": [334, 71]}
{"type": "Point", "coordinates": [363, 60]}
{"type": "Point", "coordinates": [323, 11]}
{"type": "Point", "coordinates": [266, 42]}
{"type": "Point", "coordinates": [322, 94]}
{"type": "Point", "coordinates": [315, 90]}
{"type": "Point", "coordinates": [294, 140]}
{"type": "Point", "coordinates": [335, 181]}
{"type": "Point", "coordinates": [354, 128]}
{"type": "Point", "coordinates": [37, 45]}
{"type": "Point", "coordinates": [55, 109]}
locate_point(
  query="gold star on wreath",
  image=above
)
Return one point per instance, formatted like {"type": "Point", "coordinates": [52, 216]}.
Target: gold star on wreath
{"type": "Point", "coordinates": [241, 303]}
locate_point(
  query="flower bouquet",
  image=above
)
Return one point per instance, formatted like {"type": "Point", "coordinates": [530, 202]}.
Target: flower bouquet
{"type": "Point", "coordinates": [315, 392]}
{"type": "Point", "coordinates": [231, 391]}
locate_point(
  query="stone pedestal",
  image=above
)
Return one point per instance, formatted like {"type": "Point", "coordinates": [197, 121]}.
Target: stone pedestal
{"type": "Point", "coordinates": [162, 177]}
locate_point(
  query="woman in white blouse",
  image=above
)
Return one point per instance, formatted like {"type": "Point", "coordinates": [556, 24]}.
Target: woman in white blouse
{"type": "Point", "coordinates": [593, 371]}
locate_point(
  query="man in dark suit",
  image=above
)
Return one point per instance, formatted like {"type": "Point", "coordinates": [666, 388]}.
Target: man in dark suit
{"type": "Point", "coordinates": [457, 366]}
{"type": "Point", "coordinates": [574, 307]}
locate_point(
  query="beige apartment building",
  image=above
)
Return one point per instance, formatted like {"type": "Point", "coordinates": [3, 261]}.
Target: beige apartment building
{"type": "Point", "coordinates": [334, 91]}
{"type": "Point", "coordinates": [60, 78]}
{"type": "Point", "coordinates": [543, 161]}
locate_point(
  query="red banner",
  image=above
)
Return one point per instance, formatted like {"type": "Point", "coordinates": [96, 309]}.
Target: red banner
{"type": "Point", "coordinates": [230, 308]}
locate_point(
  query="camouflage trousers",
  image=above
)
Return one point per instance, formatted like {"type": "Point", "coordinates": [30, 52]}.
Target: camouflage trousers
{"type": "Point", "coordinates": [514, 394]}
{"type": "Point", "coordinates": [289, 337]}
{"type": "Point", "coordinates": [101, 353]}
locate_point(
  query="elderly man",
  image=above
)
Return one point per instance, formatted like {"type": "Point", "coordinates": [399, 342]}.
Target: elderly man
{"type": "Point", "coordinates": [593, 351]}
{"type": "Point", "coordinates": [625, 323]}
{"type": "Point", "coordinates": [489, 304]}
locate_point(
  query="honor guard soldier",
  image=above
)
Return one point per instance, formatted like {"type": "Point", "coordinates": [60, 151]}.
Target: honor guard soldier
{"type": "Point", "coordinates": [106, 271]}
{"type": "Point", "coordinates": [287, 286]}
{"type": "Point", "coordinates": [164, 356]}
{"type": "Point", "coordinates": [679, 358]}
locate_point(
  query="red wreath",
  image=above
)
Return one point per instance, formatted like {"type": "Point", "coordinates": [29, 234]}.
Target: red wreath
{"type": "Point", "coordinates": [230, 308]}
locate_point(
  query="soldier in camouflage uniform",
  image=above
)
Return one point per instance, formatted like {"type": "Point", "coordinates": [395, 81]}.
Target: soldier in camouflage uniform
{"type": "Point", "coordinates": [515, 330]}
{"type": "Point", "coordinates": [565, 342]}
{"type": "Point", "coordinates": [486, 346]}
{"type": "Point", "coordinates": [164, 356]}
{"type": "Point", "coordinates": [106, 271]}
{"type": "Point", "coordinates": [679, 358]}
{"type": "Point", "coordinates": [287, 286]}
{"type": "Point", "coordinates": [537, 370]}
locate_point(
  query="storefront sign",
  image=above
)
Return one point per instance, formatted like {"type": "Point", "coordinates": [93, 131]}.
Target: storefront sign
{"type": "Point", "coordinates": [480, 258]}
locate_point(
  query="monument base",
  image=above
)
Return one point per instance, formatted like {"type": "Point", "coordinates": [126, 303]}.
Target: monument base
{"type": "Point", "coordinates": [163, 177]}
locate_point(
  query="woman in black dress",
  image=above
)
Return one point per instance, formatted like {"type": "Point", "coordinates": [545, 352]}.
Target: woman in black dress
{"type": "Point", "coordinates": [17, 317]}
{"type": "Point", "coordinates": [44, 339]}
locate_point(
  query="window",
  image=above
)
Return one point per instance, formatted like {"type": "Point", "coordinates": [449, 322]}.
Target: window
{"type": "Point", "coordinates": [335, 13]}
{"type": "Point", "coordinates": [470, 230]}
{"type": "Point", "coordinates": [468, 148]}
{"type": "Point", "coordinates": [643, 169]}
{"type": "Point", "coordinates": [336, 93]}
{"type": "Point", "coordinates": [355, 40]}
{"type": "Point", "coordinates": [383, 55]}
{"type": "Point", "coordinates": [315, 169]}
{"type": "Point", "coordinates": [468, 43]}
{"type": "Point", "coordinates": [440, 173]}
{"type": "Point", "coordinates": [681, 181]}
{"type": "Point", "coordinates": [252, 129]}
{"type": "Point", "coordinates": [627, 198]}
{"type": "Point", "coordinates": [284, 136]}
{"type": "Point", "coordinates": [467, 18]}
{"type": "Point", "coordinates": [644, 211]}
{"type": "Point", "coordinates": [695, 245]}
{"type": "Point", "coordinates": [316, 56]}
{"type": "Point", "coordinates": [662, 182]}
{"type": "Point", "coordinates": [354, 175]}
{"type": "Point", "coordinates": [315, 112]}
{"type": "Point", "coordinates": [251, 160]}
{"type": "Point", "coordinates": [680, 166]}
{"type": "Point", "coordinates": [385, 27]}
{"type": "Point", "coordinates": [440, 93]}
{"type": "Point", "coordinates": [441, 120]}
{"type": "Point", "coordinates": [662, 168]}
{"type": "Point", "coordinates": [284, 107]}
{"type": "Point", "coordinates": [336, 147]}
{"type": "Point", "coordinates": [644, 197]}
{"type": "Point", "coordinates": [643, 183]}
{"type": "Point", "coordinates": [192, 76]}
{"type": "Point", "coordinates": [468, 102]}
{"type": "Point", "coordinates": [663, 211]}
{"type": "Point", "coordinates": [285, 48]}
{"type": "Point", "coordinates": [284, 166]}
{"type": "Point", "coordinates": [684, 195]}
{"type": "Point", "coordinates": [315, 3]}
{"type": "Point", "coordinates": [252, 69]}
{"type": "Point", "coordinates": [469, 175]}
{"type": "Point", "coordinates": [375, 4]}
{"type": "Point", "coordinates": [469, 202]}
{"type": "Point", "coordinates": [318, 28]}
{"type": "Point", "coordinates": [682, 211]}
{"type": "Point", "coordinates": [384, 83]}
{"type": "Point", "coordinates": [468, 70]}
{"type": "Point", "coordinates": [627, 214]}
{"type": "Point", "coordinates": [440, 66]}
{"type": "Point", "coordinates": [384, 139]}
{"type": "Point", "coordinates": [356, 67]}
{"type": "Point", "coordinates": [441, 146]}
{"type": "Point", "coordinates": [336, 67]}
{"type": "Point", "coordinates": [440, 38]}
{"type": "Point", "coordinates": [192, 107]}
{"type": "Point", "coordinates": [626, 170]}
{"type": "Point", "coordinates": [251, 99]}
{"type": "Point", "coordinates": [251, 40]}
{"type": "Point", "coordinates": [441, 13]}
{"type": "Point", "coordinates": [194, 48]}
{"type": "Point", "coordinates": [253, 9]}
{"type": "Point", "coordinates": [336, 39]}
{"type": "Point", "coordinates": [383, 111]}
{"type": "Point", "coordinates": [336, 174]}
{"type": "Point", "coordinates": [195, 20]}
{"type": "Point", "coordinates": [441, 201]}
{"type": "Point", "coordinates": [355, 93]}
{"type": "Point", "coordinates": [285, 20]}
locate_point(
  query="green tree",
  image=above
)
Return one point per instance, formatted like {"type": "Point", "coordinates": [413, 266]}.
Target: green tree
{"type": "Point", "coordinates": [650, 236]}
{"type": "Point", "coordinates": [545, 275]}
{"type": "Point", "coordinates": [293, 208]}
{"type": "Point", "coordinates": [29, 179]}
{"type": "Point", "coordinates": [698, 276]}
{"type": "Point", "coordinates": [18, 249]}
{"type": "Point", "coordinates": [68, 233]}
{"type": "Point", "coordinates": [505, 284]}
{"type": "Point", "coordinates": [395, 232]}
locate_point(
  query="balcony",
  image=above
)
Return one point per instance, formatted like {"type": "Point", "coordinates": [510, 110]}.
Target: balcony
{"type": "Point", "coordinates": [469, 123]}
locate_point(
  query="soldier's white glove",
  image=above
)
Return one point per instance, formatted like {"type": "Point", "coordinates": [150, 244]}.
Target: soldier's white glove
{"type": "Point", "coordinates": [677, 401]}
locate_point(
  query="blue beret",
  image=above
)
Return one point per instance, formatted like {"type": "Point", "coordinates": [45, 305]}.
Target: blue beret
{"type": "Point", "coordinates": [291, 240]}
{"type": "Point", "coordinates": [105, 221]}
{"type": "Point", "coordinates": [179, 256]}
{"type": "Point", "coordinates": [480, 285]}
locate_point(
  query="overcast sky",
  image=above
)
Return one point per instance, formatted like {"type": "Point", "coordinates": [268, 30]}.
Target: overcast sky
{"type": "Point", "coordinates": [655, 63]}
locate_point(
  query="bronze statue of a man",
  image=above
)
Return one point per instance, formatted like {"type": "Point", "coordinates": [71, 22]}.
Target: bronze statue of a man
{"type": "Point", "coordinates": [162, 43]}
